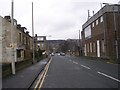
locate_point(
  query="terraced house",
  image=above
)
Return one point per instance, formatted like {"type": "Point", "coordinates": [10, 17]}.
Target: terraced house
{"type": "Point", "coordinates": [22, 41]}
{"type": "Point", "coordinates": [101, 33]}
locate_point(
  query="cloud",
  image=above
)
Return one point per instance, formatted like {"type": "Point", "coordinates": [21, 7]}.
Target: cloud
{"type": "Point", "coordinates": [60, 18]}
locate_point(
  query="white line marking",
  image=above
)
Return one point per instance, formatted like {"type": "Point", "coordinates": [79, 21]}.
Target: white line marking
{"type": "Point", "coordinates": [109, 76]}
{"type": "Point", "coordinates": [75, 62]}
{"type": "Point", "coordinates": [85, 66]}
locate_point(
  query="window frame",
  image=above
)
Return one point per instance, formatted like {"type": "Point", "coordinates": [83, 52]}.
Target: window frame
{"type": "Point", "coordinates": [97, 22]}
{"type": "Point", "coordinates": [101, 19]}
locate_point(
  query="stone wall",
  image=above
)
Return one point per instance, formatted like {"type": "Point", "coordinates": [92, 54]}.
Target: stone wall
{"type": "Point", "coordinates": [0, 39]}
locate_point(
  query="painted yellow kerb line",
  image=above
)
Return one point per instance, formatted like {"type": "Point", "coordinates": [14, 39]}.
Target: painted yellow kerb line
{"type": "Point", "coordinates": [39, 79]}
{"type": "Point", "coordinates": [42, 76]}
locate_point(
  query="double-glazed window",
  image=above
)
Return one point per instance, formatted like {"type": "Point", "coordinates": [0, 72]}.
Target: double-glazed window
{"type": "Point", "coordinates": [102, 46]}
{"type": "Point", "coordinates": [90, 47]}
{"type": "Point", "coordinates": [101, 19]}
{"type": "Point", "coordinates": [94, 47]}
{"type": "Point", "coordinates": [88, 32]}
{"type": "Point", "coordinates": [97, 22]}
{"type": "Point", "coordinates": [20, 37]}
{"type": "Point", "coordinates": [93, 24]}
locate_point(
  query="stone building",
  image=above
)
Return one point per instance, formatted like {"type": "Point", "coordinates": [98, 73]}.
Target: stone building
{"type": "Point", "coordinates": [40, 43]}
{"type": "Point", "coordinates": [22, 41]}
{"type": "Point", "coordinates": [101, 33]}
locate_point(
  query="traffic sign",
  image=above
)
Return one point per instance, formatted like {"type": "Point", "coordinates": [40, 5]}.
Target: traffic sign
{"type": "Point", "coordinates": [11, 45]}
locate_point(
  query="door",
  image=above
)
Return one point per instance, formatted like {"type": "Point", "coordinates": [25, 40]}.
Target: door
{"type": "Point", "coordinates": [98, 48]}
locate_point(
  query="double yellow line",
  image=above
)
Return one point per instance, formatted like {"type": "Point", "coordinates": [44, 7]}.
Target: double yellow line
{"type": "Point", "coordinates": [42, 76]}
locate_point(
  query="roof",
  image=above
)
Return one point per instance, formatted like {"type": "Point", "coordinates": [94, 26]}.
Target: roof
{"type": "Point", "coordinates": [106, 8]}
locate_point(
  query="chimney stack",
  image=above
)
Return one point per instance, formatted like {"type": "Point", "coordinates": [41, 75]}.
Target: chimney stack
{"type": "Point", "coordinates": [88, 14]}
{"type": "Point", "coordinates": [27, 32]}
{"type": "Point", "coordinates": [93, 12]}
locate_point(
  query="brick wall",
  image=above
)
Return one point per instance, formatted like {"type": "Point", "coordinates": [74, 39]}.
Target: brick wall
{"type": "Point", "coordinates": [104, 30]}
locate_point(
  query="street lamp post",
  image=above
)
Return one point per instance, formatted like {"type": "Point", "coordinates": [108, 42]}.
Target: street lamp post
{"type": "Point", "coordinates": [12, 45]}
{"type": "Point", "coordinates": [79, 45]}
{"type": "Point", "coordinates": [118, 39]}
{"type": "Point", "coordinates": [47, 47]}
{"type": "Point", "coordinates": [33, 35]}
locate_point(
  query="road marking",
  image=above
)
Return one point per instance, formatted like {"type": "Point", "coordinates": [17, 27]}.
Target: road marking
{"type": "Point", "coordinates": [45, 74]}
{"type": "Point", "coordinates": [85, 66]}
{"type": "Point", "coordinates": [39, 80]}
{"type": "Point", "coordinates": [75, 62]}
{"type": "Point", "coordinates": [108, 76]}
{"type": "Point", "coordinates": [42, 76]}
{"type": "Point", "coordinates": [111, 63]}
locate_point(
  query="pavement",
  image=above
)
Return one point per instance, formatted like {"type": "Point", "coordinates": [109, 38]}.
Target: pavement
{"type": "Point", "coordinates": [24, 78]}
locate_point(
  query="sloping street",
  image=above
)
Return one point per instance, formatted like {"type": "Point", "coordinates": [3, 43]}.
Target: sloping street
{"type": "Point", "coordinates": [72, 72]}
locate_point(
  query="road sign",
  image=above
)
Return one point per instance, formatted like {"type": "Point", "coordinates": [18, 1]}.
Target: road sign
{"type": "Point", "coordinates": [11, 45]}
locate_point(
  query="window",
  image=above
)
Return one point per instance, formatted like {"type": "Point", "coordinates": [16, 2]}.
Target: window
{"type": "Point", "coordinates": [85, 50]}
{"type": "Point", "coordinates": [38, 45]}
{"type": "Point", "coordinates": [42, 45]}
{"type": "Point", "coordinates": [90, 47]}
{"type": "Point", "coordinates": [97, 22]}
{"type": "Point", "coordinates": [28, 41]}
{"type": "Point", "coordinates": [20, 37]}
{"type": "Point", "coordinates": [93, 24]}
{"type": "Point", "coordinates": [88, 32]}
{"type": "Point", "coordinates": [18, 53]}
{"type": "Point", "coordinates": [40, 38]}
{"type": "Point", "coordinates": [101, 19]}
{"type": "Point", "coordinates": [102, 46]}
{"type": "Point", "coordinates": [94, 47]}
{"type": "Point", "coordinates": [24, 40]}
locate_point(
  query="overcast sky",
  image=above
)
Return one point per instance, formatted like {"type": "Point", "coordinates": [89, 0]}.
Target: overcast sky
{"type": "Point", "coordinates": [60, 19]}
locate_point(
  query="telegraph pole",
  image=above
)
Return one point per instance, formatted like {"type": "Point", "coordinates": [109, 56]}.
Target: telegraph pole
{"type": "Point", "coordinates": [33, 34]}
{"type": "Point", "coordinates": [118, 33]}
{"type": "Point", "coordinates": [79, 44]}
{"type": "Point", "coordinates": [12, 45]}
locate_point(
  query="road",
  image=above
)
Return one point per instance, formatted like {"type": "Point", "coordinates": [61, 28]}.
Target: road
{"type": "Point", "coordinates": [73, 72]}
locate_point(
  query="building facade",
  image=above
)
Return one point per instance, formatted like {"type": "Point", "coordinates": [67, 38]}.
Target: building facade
{"type": "Point", "coordinates": [101, 33]}
{"type": "Point", "coordinates": [40, 43]}
{"type": "Point", "coordinates": [21, 41]}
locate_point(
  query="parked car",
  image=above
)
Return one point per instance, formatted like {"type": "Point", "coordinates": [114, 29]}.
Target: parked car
{"type": "Point", "coordinates": [52, 54]}
{"type": "Point", "coordinates": [62, 54]}
{"type": "Point", "coordinates": [57, 54]}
